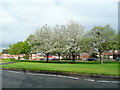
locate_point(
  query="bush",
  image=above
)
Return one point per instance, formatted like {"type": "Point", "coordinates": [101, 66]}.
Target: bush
{"type": "Point", "coordinates": [66, 59]}
{"type": "Point", "coordinates": [5, 59]}
{"type": "Point", "coordinates": [26, 57]}
{"type": "Point", "coordinates": [12, 58]}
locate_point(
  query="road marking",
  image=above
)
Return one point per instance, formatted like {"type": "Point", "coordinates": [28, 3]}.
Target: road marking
{"type": "Point", "coordinates": [42, 74]}
{"type": "Point", "coordinates": [68, 77]}
{"type": "Point", "coordinates": [104, 81]}
{"type": "Point", "coordinates": [61, 76]}
{"type": "Point", "coordinates": [15, 72]}
{"type": "Point", "coordinates": [73, 78]}
{"type": "Point", "coordinates": [108, 81]}
{"type": "Point", "coordinates": [92, 80]}
{"type": "Point", "coordinates": [115, 81]}
{"type": "Point", "coordinates": [54, 75]}
{"type": "Point", "coordinates": [45, 75]}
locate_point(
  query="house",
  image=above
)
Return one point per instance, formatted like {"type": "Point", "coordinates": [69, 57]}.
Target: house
{"type": "Point", "coordinates": [111, 54]}
{"type": "Point", "coordinates": [78, 56]}
{"type": "Point", "coordinates": [37, 56]}
{"type": "Point", "coordinates": [6, 55]}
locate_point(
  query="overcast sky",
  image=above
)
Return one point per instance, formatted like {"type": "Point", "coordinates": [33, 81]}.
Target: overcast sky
{"type": "Point", "coordinates": [19, 18]}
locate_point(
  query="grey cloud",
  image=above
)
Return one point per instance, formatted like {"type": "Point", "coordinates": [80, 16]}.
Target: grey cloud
{"type": "Point", "coordinates": [30, 16]}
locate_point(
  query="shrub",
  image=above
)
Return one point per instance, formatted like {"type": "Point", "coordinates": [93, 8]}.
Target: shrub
{"type": "Point", "coordinates": [26, 57]}
{"type": "Point", "coordinates": [5, 59]}
{"type": "Point", "coordinates": [66, 59]}
{"type": "Point", "coordinates": [12, 58]}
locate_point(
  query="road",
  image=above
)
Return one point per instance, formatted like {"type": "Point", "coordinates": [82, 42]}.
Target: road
{"type": "Point", "coordinates": [14, 79]}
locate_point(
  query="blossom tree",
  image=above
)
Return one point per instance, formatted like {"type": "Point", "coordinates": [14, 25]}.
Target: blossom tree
{"type": "Point", "coordinates": [73, 35]}
{"type": "Point", "coordinates": [58, 38]}
{"type": "Point", "coordinates": [42, 40]}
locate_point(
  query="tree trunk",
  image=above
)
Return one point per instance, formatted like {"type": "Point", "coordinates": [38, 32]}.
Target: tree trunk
{"type": "Point", "coordinates": [101, 61]}
{"type": "Point", "coordinates": [18, 57]}
{"type": "Point", "coordinates": [73, 55]}
{"type": "Point", "coordinates": [31, 56]}
{"type": "Point", "coordinates": [113, 54]}
{"type": "Point", "coordinates": [79, 56]}
{"type": "Point", "coordinates": [59, 57]}
{"type": "Point", "coordinates": [47, 57]}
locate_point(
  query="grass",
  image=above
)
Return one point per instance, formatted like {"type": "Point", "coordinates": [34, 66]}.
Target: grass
{"type": "Point", "coordinates": [108, 68]}
{"type": "Point", "coordinates": [6, 61]}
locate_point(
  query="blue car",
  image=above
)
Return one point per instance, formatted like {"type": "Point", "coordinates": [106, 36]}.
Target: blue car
{"type": "Point", "coordinates": [91, 59]}
{"type": "Point", "coordinates": [118, 59]}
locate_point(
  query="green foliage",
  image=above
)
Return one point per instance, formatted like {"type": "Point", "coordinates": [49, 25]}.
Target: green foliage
{"type": "Point", "coordinates": [114, 43]}
{"type": "Point", "coordinates": [101, 36]}
{"type": "Point", "coordinates": [29, 38]}
{"type": "Point", "coordinates": [19, 48]}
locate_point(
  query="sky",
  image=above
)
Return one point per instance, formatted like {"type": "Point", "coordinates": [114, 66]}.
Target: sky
{"type": "Point", "coordinates": [20, 18]}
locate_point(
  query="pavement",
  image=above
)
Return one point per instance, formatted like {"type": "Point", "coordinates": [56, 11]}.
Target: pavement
{"type": "Point", "coordinates": [15, 79]}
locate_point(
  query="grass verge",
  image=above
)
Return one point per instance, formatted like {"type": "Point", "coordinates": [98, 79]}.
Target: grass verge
{"type": "Point", "coordinates": [108, 68]}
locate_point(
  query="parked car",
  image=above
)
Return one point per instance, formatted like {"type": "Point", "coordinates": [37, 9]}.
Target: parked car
{"type": "Point", "coordinates": [22, 59]}
{"type": "Point", "coordinates": [48, 59]}
{"type": "Point", "coordinates": [52, 59]}
{"type": "Point", "coordinates": [91, 59]}
{"type": "Point", "coordinates": [118, 59]}
{"type": "Point", "coordinates": [42, 59]}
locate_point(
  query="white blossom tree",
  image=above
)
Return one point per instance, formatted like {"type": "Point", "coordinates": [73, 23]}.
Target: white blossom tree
{"type": "Point", "coordinates": [42, 40]}
{"type": "Point", "coordinates": [73, 35]}
{"type": "Point", "coordinates": [58, 38]}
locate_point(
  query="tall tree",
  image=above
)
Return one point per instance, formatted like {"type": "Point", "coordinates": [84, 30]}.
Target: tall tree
{"type": "Point", "coordinates": [100, 36]}
{"type": "Point", "coordinates": [19, 48]}
{"type": "Point", "coordinates": [73, 35]}
{"type": "Point", "coordinates": [114, 44]}
{"type": "Point", "coordinates": [58, 39]}
{"type": "Point", "coordinates": [42, 41]}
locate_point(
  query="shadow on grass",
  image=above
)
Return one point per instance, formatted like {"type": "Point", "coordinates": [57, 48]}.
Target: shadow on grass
{"type": "Point", "coordinates": [67, 62]}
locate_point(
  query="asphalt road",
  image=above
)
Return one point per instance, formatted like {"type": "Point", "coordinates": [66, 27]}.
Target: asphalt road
{"type": "Point", "coordinates": [14, 79]}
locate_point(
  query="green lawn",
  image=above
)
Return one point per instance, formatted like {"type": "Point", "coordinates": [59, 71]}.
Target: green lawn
{"type": "Point", "coordinates": [108, 68]}
{"type": "Point", "coordinates": [7, 61]}
{"type": "Point", "coordinates": [4, 61]}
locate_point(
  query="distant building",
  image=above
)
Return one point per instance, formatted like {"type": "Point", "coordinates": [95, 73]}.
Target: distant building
{"type": "Point", "coordinates": [111, 54]}
{"type": "Point", "coordinates": [5, 51]}
{"type": "Point", "coordinates": [5, 55]}
{"type": "Point", "coordinates": [37, 56]}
